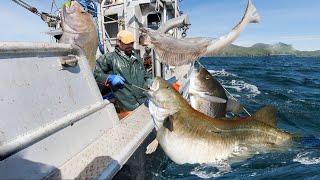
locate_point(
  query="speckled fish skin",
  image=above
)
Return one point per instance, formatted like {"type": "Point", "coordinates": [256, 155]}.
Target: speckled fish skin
{"type": "Point", "coordinates": [79, 29]}
{"type": "Point", "coordinates": [196, 138]}
{"type": "Point", "coordinates": [202, 81]}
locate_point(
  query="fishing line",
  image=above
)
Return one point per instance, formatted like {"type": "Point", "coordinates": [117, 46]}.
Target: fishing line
{"type": "Point", "coordinates": [236, 100]}
{"type": "Point", "coordinates": [133, 85]}
{"type": "Point", "coordinates": [198, 61]}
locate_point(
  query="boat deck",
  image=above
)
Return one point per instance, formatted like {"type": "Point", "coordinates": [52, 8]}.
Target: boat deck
{"type": "Point", "coordinates": [99, 159]}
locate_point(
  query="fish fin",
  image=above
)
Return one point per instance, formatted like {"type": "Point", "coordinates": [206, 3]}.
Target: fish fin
{"type": "Point", "coordinates": [214, 99]}
{"type": "Point", "coordinates": [152, 147]}
{"type": "Point", "coordinates": [252, 12]}
{"type": "Point", "coordinates": [208, 97]}
{"type": "Point", "coordinates": [168, 123]}
{"type": "Point", "coordinates": [234, 106]}
{"type": "Point", "coordinates": [267, 115]}
{"type": "Point", "coordinates": [56, 32]}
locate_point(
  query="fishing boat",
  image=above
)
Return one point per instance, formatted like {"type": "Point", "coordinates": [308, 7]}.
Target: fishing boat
{"type": "Point", "coordinates": [55, 123]}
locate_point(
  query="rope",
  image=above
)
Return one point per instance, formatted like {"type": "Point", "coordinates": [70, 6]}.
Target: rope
{"type": "Point", "coordinates": [44, 16]}
{"type": "Point", "coordinates": [227, 92]}
{"type": "Point", "coordinates": [27, 6]}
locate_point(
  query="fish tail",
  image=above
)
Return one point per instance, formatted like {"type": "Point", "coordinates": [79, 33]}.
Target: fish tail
{"type": "Point", "coordinates": [252, 13]}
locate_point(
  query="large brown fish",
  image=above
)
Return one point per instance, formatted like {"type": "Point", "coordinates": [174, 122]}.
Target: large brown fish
{"type": "Point", "coordinates": [79, 28]}
{"type": "Point", "coordinates": [208, 96]}
{"type": "Point", "coordinates": [188, 136]}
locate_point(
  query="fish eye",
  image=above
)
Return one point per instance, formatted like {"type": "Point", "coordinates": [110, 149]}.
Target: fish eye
{"type": "Point", "coordinates": [167, 87]}
{"type": "Point", "coordinates": [207, 77]}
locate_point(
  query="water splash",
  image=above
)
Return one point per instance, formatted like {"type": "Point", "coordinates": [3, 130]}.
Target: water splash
{"type": "Point", "coordinates": [242, 86]}
{"type": "Point", "coordinates": [215, 170]}
{"type": "Point", "coordinates": [304, 158]}
{"type": "Point", "coordinates": [222, 73]}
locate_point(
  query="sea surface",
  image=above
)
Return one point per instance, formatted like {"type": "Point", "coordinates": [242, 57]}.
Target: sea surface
{"type": "Point", "coordinates": [290, 84]}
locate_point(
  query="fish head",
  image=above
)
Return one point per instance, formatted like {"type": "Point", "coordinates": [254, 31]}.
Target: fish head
{"type": "Point", "coordinates": [75, 19]}
{"type": "Point", "coordinates": [201, 80]}
{"type": "Point", "coordinates": [163, 100]}
{"type": "Point", "coordinates": [163, 95]}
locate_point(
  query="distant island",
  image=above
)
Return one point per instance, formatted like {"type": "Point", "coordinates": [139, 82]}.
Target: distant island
{"type": "Point", "coordinates": [261, 49]}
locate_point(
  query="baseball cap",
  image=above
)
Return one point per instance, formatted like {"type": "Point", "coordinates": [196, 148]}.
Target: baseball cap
{"type": "Point", "coordinates": [125, 36]}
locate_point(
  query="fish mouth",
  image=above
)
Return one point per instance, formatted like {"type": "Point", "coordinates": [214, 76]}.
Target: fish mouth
{"type": "Point", "coordinates": [73, 8]}
{"type": "Point", "coordinates": [150, 96]}
{"type": "Point", "coordinates": [155, 85]}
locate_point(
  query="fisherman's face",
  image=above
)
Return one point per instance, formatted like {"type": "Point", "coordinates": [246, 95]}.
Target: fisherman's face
{"type": "Point", "coordinates": [126, 48]}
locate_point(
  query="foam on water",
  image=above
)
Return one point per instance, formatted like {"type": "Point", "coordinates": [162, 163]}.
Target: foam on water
{"type": "Point", "coordinates": [207, 171]}
{"type": "Point", "coordinates": [242, 86]}
{"type": "Point", "coordinates": [304, 158]}
{"type": "Point", "coordinates": [221, 73]}
{"type": "Point", "coordinates": [238, 85]}
{"type": "Point", "coordinates": [253, 174]}
{"type": "Point", "coordinates": [290, 91]}
{"type": "Point", "coordinates": [220, 167]}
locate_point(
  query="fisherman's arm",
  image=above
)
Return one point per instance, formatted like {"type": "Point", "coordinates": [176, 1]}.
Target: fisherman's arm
{"type": "Point", "coordinates": [102, 69]}
{"type": "Point", "coordinates": [103, 73]}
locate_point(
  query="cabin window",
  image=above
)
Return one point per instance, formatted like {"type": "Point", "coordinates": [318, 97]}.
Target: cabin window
{"type": "Point", "coordinates": [111, 25]}
{"type": "Point", "coordinates": [154, 20]}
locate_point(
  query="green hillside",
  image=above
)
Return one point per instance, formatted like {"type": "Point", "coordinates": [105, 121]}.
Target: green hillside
{"type": "Point", "coordinates": [261, 49]}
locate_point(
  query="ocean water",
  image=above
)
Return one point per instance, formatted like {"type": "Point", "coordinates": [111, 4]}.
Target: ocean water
{"type": "Point", "coordinates": [290, 84]}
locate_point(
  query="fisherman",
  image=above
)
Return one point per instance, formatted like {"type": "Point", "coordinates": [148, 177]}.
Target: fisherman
{"type": "Point", "coordinates": [122, 72]}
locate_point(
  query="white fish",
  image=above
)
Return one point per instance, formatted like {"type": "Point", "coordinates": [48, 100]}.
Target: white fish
{"type": "Point", "coordinates": [176, 52]}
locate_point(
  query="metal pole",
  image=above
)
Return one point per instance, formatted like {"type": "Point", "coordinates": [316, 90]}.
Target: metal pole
{"type": "Point", "coordinates": [27, 140]}
{"type": "Point", "coordinates": [124, 13]}
{"type": "Point", "coordinates": [176, 15]}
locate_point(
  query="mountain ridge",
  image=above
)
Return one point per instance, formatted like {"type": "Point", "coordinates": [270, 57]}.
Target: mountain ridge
{"type": "Point", "coordinates": [262, 49]}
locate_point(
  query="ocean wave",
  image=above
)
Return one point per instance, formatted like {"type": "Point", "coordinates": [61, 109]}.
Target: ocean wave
{"type": "Point", "coordinates": [221, 73]}
{"type": "Point", "coordinates": [215, 170]}
{"type": "Point", "coordinates": [241, 86]}
{"type": "Point", "coordinates": [290, 91]}
{"type": "Point", "coordinates": [304, 158]}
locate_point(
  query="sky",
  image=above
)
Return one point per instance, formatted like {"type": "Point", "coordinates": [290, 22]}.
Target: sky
{"type": "Point", "coordinates": [295, 22]}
